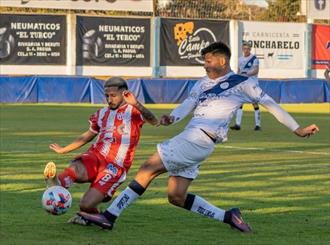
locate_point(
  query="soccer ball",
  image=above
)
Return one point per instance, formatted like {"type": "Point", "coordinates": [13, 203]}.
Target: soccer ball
{"type": "Point", "coordinates": [56, 200]}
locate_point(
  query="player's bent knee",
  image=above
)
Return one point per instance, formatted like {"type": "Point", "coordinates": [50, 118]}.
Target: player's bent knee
{"type": "Point", "coordinates": [89, 207]}
{"type": "Point", "coordinates": [90, 200]}
{"type": "Point", "coordinates": [176, 200]}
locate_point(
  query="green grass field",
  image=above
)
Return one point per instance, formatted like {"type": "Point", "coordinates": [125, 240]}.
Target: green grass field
{"type": "Point", "coordinates": [280, 182]}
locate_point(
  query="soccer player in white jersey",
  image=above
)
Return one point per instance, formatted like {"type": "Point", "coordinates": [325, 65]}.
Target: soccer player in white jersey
{"type": "Point", "coordinates": [248, 65]}
{"type": "Point", "coordinates": [213, 101]}
{"type": "Point", "coordinates": [106, 163]}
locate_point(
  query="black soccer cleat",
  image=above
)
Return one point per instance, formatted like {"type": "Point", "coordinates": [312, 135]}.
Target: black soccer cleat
{"type": "Point", "coordinates": [234, 219]}
{"type": "Point", "coordinates": [235, 127]}
{"type": "Point", "coordinates": [97, 219]}
{"type": "Point", "coordinates": [257, 128]}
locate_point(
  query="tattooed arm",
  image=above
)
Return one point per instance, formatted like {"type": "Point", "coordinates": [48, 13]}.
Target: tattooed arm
{"type": "Point", "coordinates": [147, 114]}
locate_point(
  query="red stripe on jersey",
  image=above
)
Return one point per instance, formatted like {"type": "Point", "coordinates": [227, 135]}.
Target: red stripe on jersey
{"type": "Point", "coordinates": [136, 124]}
{"type": "Point", "coordinates": [117, 135]}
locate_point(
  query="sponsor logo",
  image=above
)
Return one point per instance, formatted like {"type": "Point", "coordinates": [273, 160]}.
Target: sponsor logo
{"type": "Point", "coordinates": [122, 129]}
{"type": "Point", "coordinates": [205, 212]}
{"type": "Point", "coordinates": [120, 116]}
{"type": "Point", "coordinates": [320, 4]}
{"type": "Point", "coordinates": [190, 42]}
{"type": "Point", "coordinates": [224, 85]}
{"type": "Point", "coordinates": [123, 202]}
{"type": "Point", "coordinates": [93, 47]}
{"type": "Point", "coordinates": [112, 169]}
{"type": "Point", "coordinates": [266, 44]}
{"type": "Point", "coordinates": [7, 43]}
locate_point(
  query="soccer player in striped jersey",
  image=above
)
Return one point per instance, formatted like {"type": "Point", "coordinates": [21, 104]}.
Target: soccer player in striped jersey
{"type": "Point", "coordinates": [248, 65]}
{"type": "Point", "coordinates": [106, 163]}
{"type": "Point", "coordinates": [213, 101]}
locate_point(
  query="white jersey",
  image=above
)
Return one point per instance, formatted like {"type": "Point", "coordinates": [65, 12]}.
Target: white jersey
{"type": "Point", "coordinates": [214, 102]}
{"type": "Point", "coordinates": [246, 64]}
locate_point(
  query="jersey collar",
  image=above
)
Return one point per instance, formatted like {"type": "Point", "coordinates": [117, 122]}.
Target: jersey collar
{"type": "Point", "coordinates": [220, 79]}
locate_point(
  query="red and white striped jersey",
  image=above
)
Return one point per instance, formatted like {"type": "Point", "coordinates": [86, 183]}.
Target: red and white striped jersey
{"type": "Point", "coordinates": [118, 134]}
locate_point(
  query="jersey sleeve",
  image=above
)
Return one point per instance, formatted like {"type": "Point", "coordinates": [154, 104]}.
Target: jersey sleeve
{"type": "Point", "coordinates": [93, 125]}
{"type": "Point", "coordinates": [256, 95]}
{"type": "Point", "coordinates": [256, 62]}
{"type": "Point", "coordinates": [190, 103]}
{"type": "Point", "coordinates": [137, 117]}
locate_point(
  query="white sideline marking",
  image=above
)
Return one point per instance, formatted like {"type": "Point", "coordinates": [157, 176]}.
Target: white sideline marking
{"type": "Point", "coordinates": [266, 149]}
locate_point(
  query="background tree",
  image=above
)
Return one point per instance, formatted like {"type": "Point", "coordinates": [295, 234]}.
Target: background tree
{"type": "Point", "coordinates": [282, 10]}
{"type": "Point", "coordinates": [210, 9]}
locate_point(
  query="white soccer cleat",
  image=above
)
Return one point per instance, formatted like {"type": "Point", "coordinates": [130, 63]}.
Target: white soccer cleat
{"type": "Point", "coordinates": [78, 220]}
{"type": "Point", "coordinates": [50, 174]}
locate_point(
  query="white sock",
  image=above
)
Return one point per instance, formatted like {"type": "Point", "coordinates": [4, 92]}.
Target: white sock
{"type": "Point", "coordinates": [125, 198]}
{"type": "Point", "coordinates": [257, 117]}
{"type": "Point", "coordinates": [239, 114]}
{"type": "Point", "coordinates": [204, 208]}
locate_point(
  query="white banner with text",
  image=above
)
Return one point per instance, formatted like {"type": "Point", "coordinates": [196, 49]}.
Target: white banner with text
{"type": "Point", "coordinates": [277, 45]}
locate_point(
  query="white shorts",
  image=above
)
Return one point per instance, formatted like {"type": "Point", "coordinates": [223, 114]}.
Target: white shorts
{"type": "Point", "coordinates": [182, 154]}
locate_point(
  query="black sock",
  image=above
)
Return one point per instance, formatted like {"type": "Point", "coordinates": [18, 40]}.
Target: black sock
{"type": "Point", "coordinates": [136, 187]}
{"type": "Point", "coordinates": [112, 218]}
{"type": "Point", "coordinates": [189, 201]}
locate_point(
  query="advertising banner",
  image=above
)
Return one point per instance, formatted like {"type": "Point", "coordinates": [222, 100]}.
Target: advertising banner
{"type": "Point", "coordinates": [181, 40]}
{"type": "Point", "coordinates": [32, 39]}
{"type": "Point", "coordinates": [277, 45]}
{"type": "Point", "coordinates": [318, 9]}
{"type": "Point", "coordinates": [321, 47]}
{"type": "Point", "coordinates": [113, 41]}
{"type": "Point", "coordinates": [121, 5]}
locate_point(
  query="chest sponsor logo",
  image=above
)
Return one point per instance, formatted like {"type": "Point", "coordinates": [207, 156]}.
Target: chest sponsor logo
{"type": "Point", "coordinates": [224, 85]}
{"type": "Point", "coordinates": [120, 116]}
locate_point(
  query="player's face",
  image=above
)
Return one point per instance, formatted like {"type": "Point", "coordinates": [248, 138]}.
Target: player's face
{"type": "Point", "coordinates": [114, 97]}
{"type": "Point", "coordinates": [246, 50]}
{"type": "Point", "coordinates": [213, 64]}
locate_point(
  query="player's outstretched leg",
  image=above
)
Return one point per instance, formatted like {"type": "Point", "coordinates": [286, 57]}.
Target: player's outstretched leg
{"type": "Point", "coordinates": [234, 219]}
{"type": "Point", "coordinates": [107, 219]}
{"type": "Point", "coordinates": [50, 174]}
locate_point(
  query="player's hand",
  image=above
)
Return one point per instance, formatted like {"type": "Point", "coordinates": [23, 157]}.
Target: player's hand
{"type": "Point", "coordinates": [130, 98]}
{"type": "Point", "coordinates": [308, 131]}
{"type": "Point", "coordinates": [166, 120]}
{"type": "Point", "coordinates": [57, 148]}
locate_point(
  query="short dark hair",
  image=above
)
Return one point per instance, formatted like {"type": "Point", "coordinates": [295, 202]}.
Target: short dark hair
{"type": "Point", "coordinates": [217, 47]}
{"type": "Point", "coordinates": [245, 43]}
{"type": "Point", "coordinates": [118, 82]}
